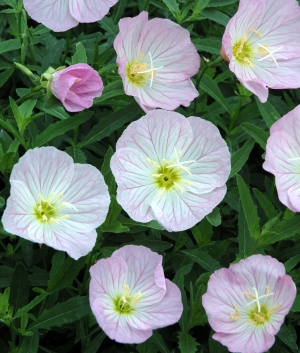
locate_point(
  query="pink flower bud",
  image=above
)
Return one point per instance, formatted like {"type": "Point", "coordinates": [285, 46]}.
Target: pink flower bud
{"type": "Point", "coordinates": [77, 86]}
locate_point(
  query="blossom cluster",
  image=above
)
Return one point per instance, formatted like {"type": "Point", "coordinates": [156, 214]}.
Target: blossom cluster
{"type": "Point", "coordinates": [168, 168]}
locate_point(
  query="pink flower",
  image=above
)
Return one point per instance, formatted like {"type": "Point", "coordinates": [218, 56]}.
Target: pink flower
{"type": "Point", "coordinates": [55, 201]}
{"type": "Point", "coordinates": [130, 296]}
{"type": "Point", "coordinates": [283, 158]}
{"type": "Point", "coordinates": [156, 59]}
{"type": "Point", "coordinates": [247, 303]}
{"type": "Point", "coordinates": [171, 169]}
{"type": "Point", "coordinates": [262, 44]}
{"type": "Point", "coordinates": [76, 86]}
{"type": "Point", "coordinates": [61, 15]}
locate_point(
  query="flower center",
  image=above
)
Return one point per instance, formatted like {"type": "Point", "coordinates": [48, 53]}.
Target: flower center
{"type": "Point", "coordinates": [259, 313]}
{"type": "Point", "coordinates": [124, 304]}
{"type": "Point", "coordinates": [244, 51]}
{"type": "Point", "coordinates": [168, 175]}
{"type": "Point", "coordinates": [46, 210]}
{"type": "Point", "coordinates": [138, 73]}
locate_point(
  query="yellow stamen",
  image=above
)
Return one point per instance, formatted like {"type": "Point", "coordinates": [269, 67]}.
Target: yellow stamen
{"type": "Point", "coordinates": [256, 32]}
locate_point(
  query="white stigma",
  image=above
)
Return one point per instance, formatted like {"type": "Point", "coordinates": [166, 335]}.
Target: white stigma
{"type": "Point", "coordinates": [270, 53]}
{"type": "Point", "coordinates": [257, 297]}
{"type": "Point", "coordinates": [180, 164]}
{"type": "Point", "coordinates": [152, 69]}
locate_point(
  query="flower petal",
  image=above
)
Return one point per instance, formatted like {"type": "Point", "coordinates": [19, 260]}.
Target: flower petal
{"type": "Point", "coordinates": [44, 171]}
{"type": "Point", "coordinates": [145, 273]}
{"type": "Point", "coordinates": [177, 211]}
{"type": "Point", "coordinates": [90, 11]}
{"type": "Point", "coordinates": [167, 312]}
{"type": "Point", "coordinates": [54, 14]}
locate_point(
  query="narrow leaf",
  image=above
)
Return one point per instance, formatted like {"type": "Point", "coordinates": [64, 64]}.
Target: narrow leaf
{"type": "Point", "coordinates": [203, 259]}
{"type": "Point", "coordinates": [240, 157]}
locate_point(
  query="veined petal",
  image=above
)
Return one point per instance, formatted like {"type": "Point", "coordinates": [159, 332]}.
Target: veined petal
{"type": "Point", "coordinates": [176, 210]}
{"type": "Point", "coordinates": [136, 186]}
{"type": "Point", "coordinates": [145, 273]}
{"type": "Point", "coordinates": [249, 341]}
{"type": "Point", "coordinates": [90, 11]}
{"type": "Point", "coordinates": [167, 312]}
{"type": "Point", "coordinates": [54, 14]}
{"type": "Point", "coordinates": [156, 134]}
{"type": "Point", "coordinates": [88, 199]}
{"type": "Point", "coordinates": [44, 171]}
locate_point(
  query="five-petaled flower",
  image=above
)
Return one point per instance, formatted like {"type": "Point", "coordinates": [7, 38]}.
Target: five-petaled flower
{"type": "Point", "coordinates": [171, 169]}
{"type": "Point", "coordinates": [262, 44]}
{"type": "Point", "coordinates": [56, 201]}
{"type": "Point", "coordinates": [283, 158]}
{"type": "Point", "coordinates": [61, 15]}
{"type": "Point", "coordinates": [247, 303]}
{"type": "Point", "coordinates": [156, 59]}
{"type": "Point", "coordinates": [130, 296]}
{"type": "Point", "coordinates": [76, 86]}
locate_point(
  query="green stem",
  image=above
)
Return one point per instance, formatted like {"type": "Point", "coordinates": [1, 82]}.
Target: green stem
{"type": "Point", "coordinates": [67, 45]}
{"type": "Point", "coordinates": [31, 94]}
{"type": "Point", "coordinates": [76, 129]}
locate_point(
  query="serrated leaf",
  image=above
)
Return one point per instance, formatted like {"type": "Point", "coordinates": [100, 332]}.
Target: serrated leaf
{"type": "Point", "coordinates": [172, 6]}
{"type": "Point", "coordinates": [65, 275]}
{"type": "Point", "coordinates": [203, 259]}
{"type": "Point", "coordinates": [59, 128]}
{"type": "Point", "coordinates": [187, 343]}
{"type": "Point", "coordinates": [258, 134]}
{"type": "Point", "coordinates": [240, 157]}
{"type": "Point", "coordinates": [249, 208]}
{"type": "Point", "coordinates": [62, 313]}
{"type": "Point", "coordinates": [265, 204]}
{"type": "Point", "coordinates": [25, 309]}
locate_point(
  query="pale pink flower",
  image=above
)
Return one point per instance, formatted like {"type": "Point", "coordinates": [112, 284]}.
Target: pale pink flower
{"type": "Point", "coordinates": [76, 86]}
{"type": "Point", "coordinates": [247, 303]}
{"type": "Point", "coordinates": [156, 59]}
{"type": "Point", "coordinates": [56, 201]}
{"type": "Point", "coordinates": [171, 169]}
{"type": "Point", "coordinates": [61, 15]}
{"type": "Point", "coordinates": [283, 158]}
{"type": "Point", "coordinates": [130, 296]}
{"type": "Point", "coordinates": [262, 44]}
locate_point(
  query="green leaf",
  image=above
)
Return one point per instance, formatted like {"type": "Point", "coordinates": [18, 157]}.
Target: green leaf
{"type": "Point", "coordinates": [259, 135]}
{"type": "Point", "coordinates": [25, 309]}
{"type": "Point", "coordinates": [27, 251]}
{"type": "Point", "coordinates": [108, 25]}
{"type": "Point", "coordinates": [113, 89]}
{"type": "Point", "coordinates": [172, 6]}
{"type": "Point", "coordinates": [9, 45]}
{"type": "Point", "coordinates": [80, 54]}
{"type": "Point", "coordinates": [187, 343]}
{"type": "Point", "coordinates": [66, 274]}
{"type": "Point", "coordinates": [115, 227]}
{"type": "Point", "coordinates": [60, 127]}
{"type": "Point", "coordinates": [154, 245]}
{"type": "Point", "coordinates": [95, 343]}
{"type": "Point", "coordinates": [240, 157]}
{"type": "Point", "coordinates": [62, 313]}
{"type": "Point", "coordinates": [19, 287]}
{"type": "Point", "coordinates": [210, 86]}
{"type": "Point", "coordinates": [159, 342]}
{"type": "Point", "coordinates": [5, 75]}
{"type": "Point", "coordinates": [208, 45]}
{"type": "Point", "coordinates": [5, 276]}
{"type": "Point", "coordinates": [246, 242]}
{"type": "Point", "coordinates": [111, 123]}
{"type": "Point", "coordinates": [249, 208]}
{"type": "Point", "coordinates": [268, 112]}
{"type": "Point", "coordinates": [216, 16]}
{"type": "Point", "coordinates": [2, 202]}
{"type": "Point", "coordinates": [77, 154]}
{"type": "Point", "coordinates": [282, 230]}
{"type": "Point", "coordinates": [52, 103]}
{"type": "Point", "coordinates": [214, 217]}
{"type": "Point", "coordinates": [296, 306]}
{"type": "Point", "coordinates": [287, 334]}
{"type": "Point", "coordinates": [203, 259]}
{"type": "Point", "coordinates": [215, 346]}
{"type": "Point", "coordinates": [30, 343]}
{"type": "Point", "coordinates": [291, 263]}
{"type": "Point", "coordinates": [16, 112]}
{"type": "Point", "coordinates": [266, 204]}
{"type": "Point", "coordinates": [152, 224]}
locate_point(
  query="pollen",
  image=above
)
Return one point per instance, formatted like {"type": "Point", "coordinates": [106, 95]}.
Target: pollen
{"type": "Point", "coordinates": [248, 62]}
{"type": "Point", "coordinates": [234, 317]}
{"type": "Point", "coordinates": [256, 32]}
{"type": "Point", "coordinates": [125, 302]}
{"type": "Point", "coordinates": [243, 51]}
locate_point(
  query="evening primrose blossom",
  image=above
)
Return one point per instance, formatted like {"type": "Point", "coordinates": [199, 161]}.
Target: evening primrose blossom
{"type": "Point", "coordinates": [130, 296]}
{"type": "Point", "coordinates": [156, 59]}
{"type": "Point", "coordinates": [247, 303]}
{"type": "Point", "coordinates": [262, 44]}
{"type": "Point", "coordinates": [56, 201]}
{"type": "Point", "coordinates": [170, 169]}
